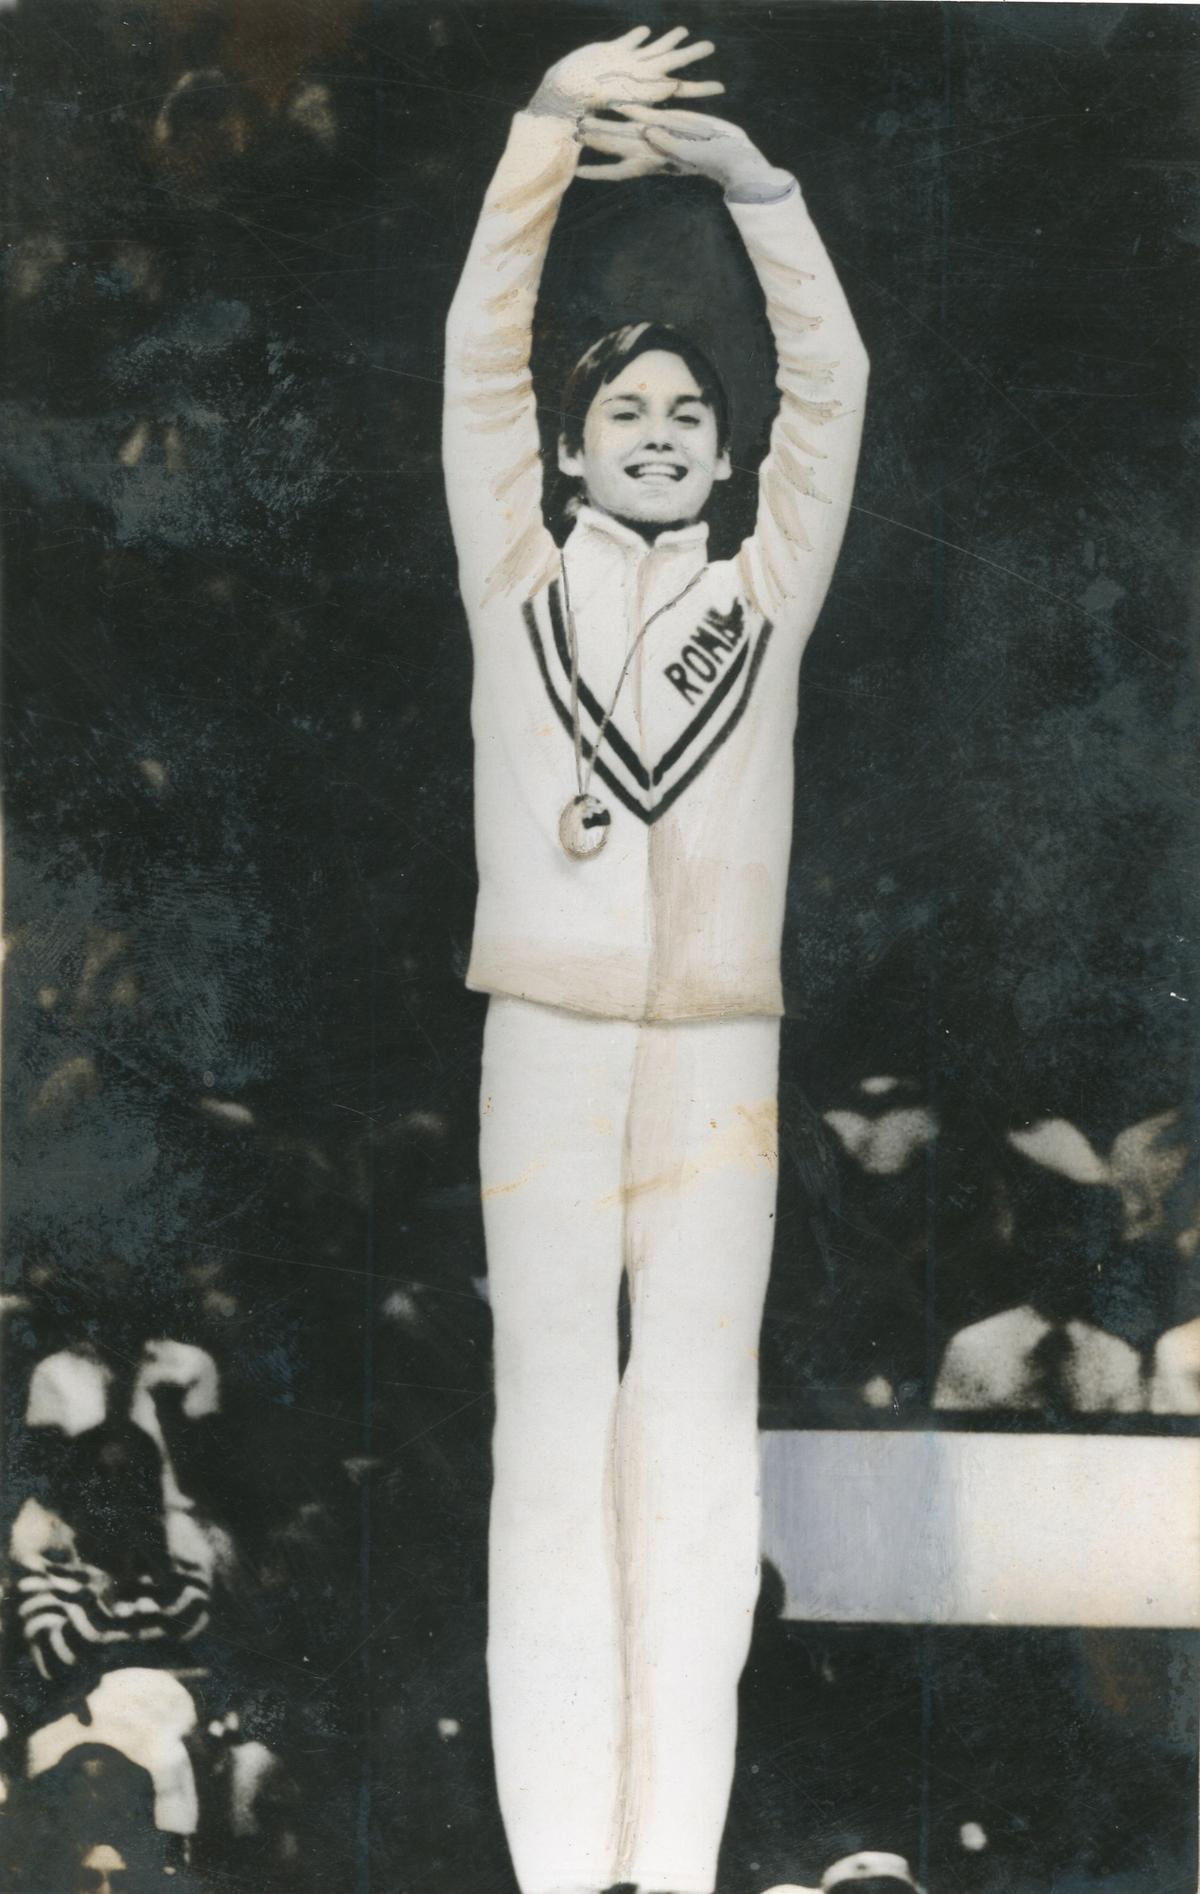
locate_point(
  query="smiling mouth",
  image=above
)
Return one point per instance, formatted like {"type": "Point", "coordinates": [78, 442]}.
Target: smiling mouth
{"type": "Point", "coordinates": [656, 470]}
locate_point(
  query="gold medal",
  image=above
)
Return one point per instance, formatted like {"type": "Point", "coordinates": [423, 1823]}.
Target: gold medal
{"type": "Point", "coordinates": [584, 824]}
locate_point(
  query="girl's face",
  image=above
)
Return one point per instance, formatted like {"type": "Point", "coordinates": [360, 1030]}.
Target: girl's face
{"type": "Point", "coordinates": [650, 449]}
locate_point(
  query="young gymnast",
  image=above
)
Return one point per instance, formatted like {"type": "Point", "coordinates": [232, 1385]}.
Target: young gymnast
{"type": "Point", "coordinates": [634, 709]}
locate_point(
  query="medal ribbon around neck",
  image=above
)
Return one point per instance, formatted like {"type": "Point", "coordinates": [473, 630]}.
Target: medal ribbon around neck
{"type": "Point", "coordinates": [585, 821]}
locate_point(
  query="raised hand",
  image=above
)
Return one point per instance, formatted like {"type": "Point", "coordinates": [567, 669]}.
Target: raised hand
{"type": "Point", "coordinates": [626, 144]}
{"type": "Point", "coordinates": [632, 70]}
{"type": "Point", "coordinates": [652, 139]}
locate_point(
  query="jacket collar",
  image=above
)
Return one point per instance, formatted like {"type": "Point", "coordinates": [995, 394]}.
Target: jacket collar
{"type": "Point", "coordinates": [590, 519]}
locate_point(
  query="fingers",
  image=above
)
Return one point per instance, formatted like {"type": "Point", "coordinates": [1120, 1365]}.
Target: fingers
{"type": "Point", "coordinates": [624, 142]}
{"type": "Point", "coordinates": [657, 92]}
{"type": "Point", "coordinates": [674, 144]}
{"type": "Point", "coordinates": [637, 84]}
{"type": "Point", "coordinates": [667, 51]}
{"type": "Point", "coordinates": [668, 40]}
{"type": "Point", "coordinates": [671, 119]}
{"type": "Point", "coordinates": [609, 127]}
{"type": "Point", "coordinates": [663, 114]}
{"type": "Point", "coordinates": [652, 91]}
{"type": "Point", "coordinates": [687, 55]}
{"type": "Point", "coordinates": [631, 146]}
{"type": "Point", "coordinates": [638, 166]}
{"type": "Point", "coordinates": [635, 157]}
{"type": "Point", "coordinates": [604, 134]}
{"type": "Point", "coordinates": [671, 136]}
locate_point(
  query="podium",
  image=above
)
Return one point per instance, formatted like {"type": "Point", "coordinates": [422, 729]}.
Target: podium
{"type": "Point", "coordinates": [948, 1527]}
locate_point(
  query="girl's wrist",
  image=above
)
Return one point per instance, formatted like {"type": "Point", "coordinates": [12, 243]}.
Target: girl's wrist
{"type": "Point", "coordinates": [757, 183]}
{"type": "Point", "coordinates": [549, 102]}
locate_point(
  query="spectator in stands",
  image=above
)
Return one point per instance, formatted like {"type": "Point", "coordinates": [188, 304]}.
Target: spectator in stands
{"type": "Point", "coordinates": [1020, 1359]}
{"type": "Point", "coordinates": [1175, 1375]}
{"type": "Point", "coordinates": [1076, 1211]}
{"type": "Point", "coordinates": [866, 1872]}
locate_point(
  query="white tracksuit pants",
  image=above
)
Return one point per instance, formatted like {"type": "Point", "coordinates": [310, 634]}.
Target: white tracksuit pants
{"type": "Point", "coordinates": [624, 1530]}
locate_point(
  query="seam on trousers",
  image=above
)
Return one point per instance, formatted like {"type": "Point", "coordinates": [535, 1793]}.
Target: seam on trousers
{"type": "Point", "coordinates": [626, 1811]}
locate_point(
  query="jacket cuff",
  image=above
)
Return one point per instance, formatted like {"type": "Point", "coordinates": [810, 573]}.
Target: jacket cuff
{"type": "Point", "coordinates": [763, 193]}
{"type": "Point", "coordinates": [546, 125]}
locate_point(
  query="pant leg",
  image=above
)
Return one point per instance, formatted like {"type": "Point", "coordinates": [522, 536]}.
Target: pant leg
{"type": "Point", "coordinates": [701, 1191]}
{"type": "Point", "coordinates": [553, 1117]}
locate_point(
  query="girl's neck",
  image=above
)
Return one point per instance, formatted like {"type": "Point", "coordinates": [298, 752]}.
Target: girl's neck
{"type": "Point", "coordinates": [649, 530]}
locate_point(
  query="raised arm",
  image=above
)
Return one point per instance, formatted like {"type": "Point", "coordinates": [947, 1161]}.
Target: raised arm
{"type": "Point", "coordinates": [807, 479]}
{"type": "Point", "coordinates": [490, 446]}
{"type": "Point", "coordinates": [490, 442]}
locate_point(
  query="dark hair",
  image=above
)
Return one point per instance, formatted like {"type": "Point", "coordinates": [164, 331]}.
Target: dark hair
{"type": "Point", "coordinates": [606, 358]}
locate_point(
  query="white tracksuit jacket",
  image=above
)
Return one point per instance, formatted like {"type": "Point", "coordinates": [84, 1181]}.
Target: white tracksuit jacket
{"type": "Point", "coordinates": [681, 915]}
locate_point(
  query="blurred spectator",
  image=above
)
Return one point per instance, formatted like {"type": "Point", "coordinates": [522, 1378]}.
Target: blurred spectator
{"type": "Point", "coordinates": [867, 1872]}
{"type": "Point", "coordinates": [1019, 1359]}
{"type": "Point", "coordinates": [1084, 1245]}
{"type": "Point", "coordinates": [885, 1140]}
{"type": "Point", "coordinates": [144, 1715]}
{"type": "Point", "coordinates": [1074, 1214]}
{"type": "Point", "coordinates": [870, 1873]}
{"type": "Point", "coordinates": [1144, 1164]}
{"type": "Point", "coordinates": [112, 1557]}
{"type": "Point", "coordinates": [110, 1576]}
{"type": "Point", "coordinates": [87, 1823]}
{"type": "Point", "coordinates": [99, 1867]}
{"type": "Point", "coordinates": [866, 1327]}
{"type": "Point", "coordinates": [1175, 1375]}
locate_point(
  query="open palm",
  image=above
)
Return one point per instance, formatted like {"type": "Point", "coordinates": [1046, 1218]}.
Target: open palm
{"type": "Point", "coordinates": [632, 70]}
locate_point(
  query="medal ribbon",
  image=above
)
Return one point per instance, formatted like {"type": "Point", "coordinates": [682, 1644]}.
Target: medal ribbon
{"type": "Point", "coordinates": [582, 781]}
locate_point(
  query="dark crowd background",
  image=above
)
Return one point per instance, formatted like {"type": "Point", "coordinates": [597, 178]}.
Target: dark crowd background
{"type": "Point", "coordinates": [240, 1063]}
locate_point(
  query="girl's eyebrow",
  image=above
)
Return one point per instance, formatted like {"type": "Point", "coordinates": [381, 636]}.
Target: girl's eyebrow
{"type": "Point", "coordinates": [639, 401]}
